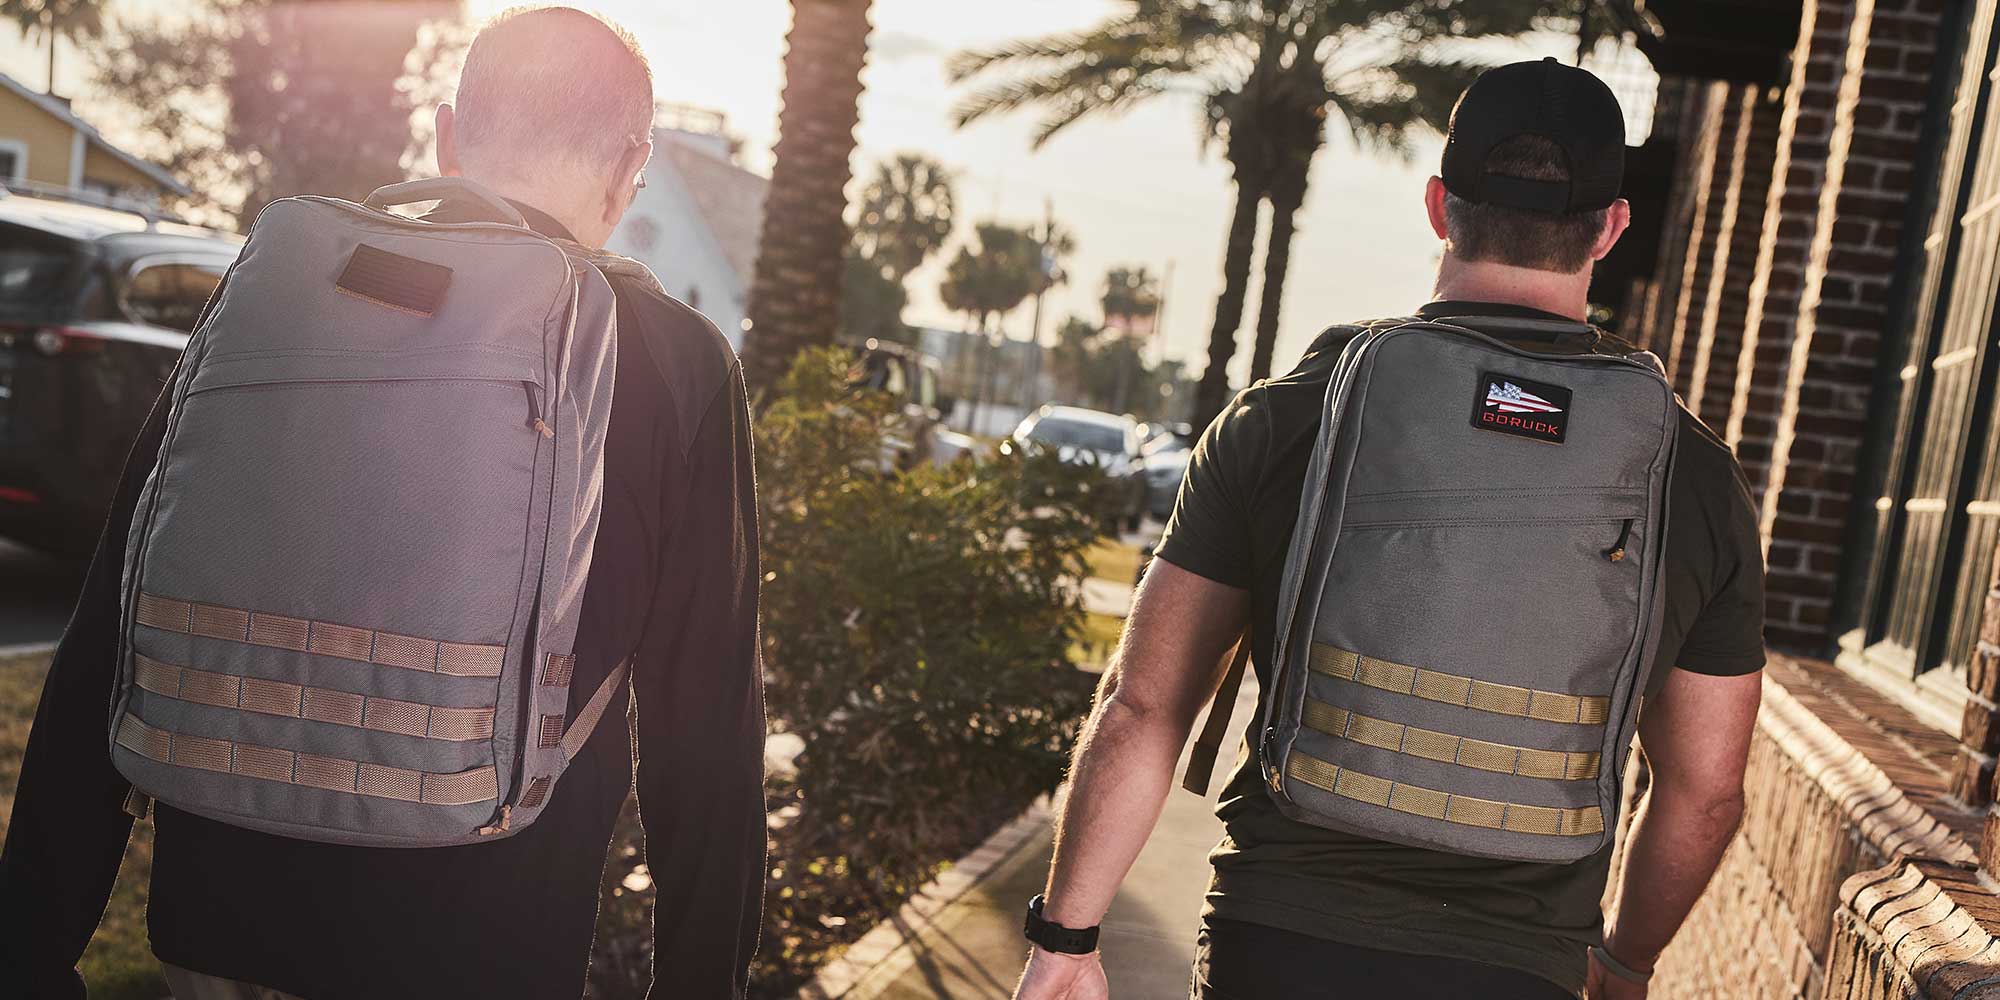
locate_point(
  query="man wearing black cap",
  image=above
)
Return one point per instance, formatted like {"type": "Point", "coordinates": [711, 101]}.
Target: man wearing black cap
{"type": "Point", "coordinates": [1526, 204]}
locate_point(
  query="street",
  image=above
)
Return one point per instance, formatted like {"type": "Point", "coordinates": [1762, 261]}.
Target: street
{"type": "Point", "coordinates": [36, 594]}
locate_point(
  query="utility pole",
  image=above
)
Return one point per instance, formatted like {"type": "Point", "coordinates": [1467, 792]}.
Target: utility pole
{"type": "Point", "coordinates": [49, 28]}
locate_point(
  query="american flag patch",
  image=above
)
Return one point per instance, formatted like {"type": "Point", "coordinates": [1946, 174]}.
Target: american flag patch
{"type": "Point", "coordinates": [1521, 407]}
{"type": "Point", "coordinates": [1511, 398]}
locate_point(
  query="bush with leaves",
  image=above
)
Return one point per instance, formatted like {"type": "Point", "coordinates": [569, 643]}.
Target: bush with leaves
{"type": "Point", "coordinates": [917, 629]}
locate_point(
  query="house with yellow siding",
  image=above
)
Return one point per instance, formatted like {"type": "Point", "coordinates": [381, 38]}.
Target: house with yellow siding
{"type": "Point", "coordinates": [45, 146]}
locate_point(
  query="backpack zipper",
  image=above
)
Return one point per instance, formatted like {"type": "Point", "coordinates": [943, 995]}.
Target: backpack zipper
{"type": "Point", "coordinates": [535, 409]}
{"type": "Point", "coordinates": [1616, 553]}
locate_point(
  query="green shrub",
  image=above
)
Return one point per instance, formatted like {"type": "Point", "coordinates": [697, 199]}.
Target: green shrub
{"type": "Point", "coordinates": [917, 631]}
{"type": "Point", "coordinates": [917, 628]}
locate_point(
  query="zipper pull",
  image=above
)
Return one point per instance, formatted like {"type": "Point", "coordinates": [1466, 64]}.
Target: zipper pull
{"type": "Point", "coordinates": [1272, 776]}
{"type": "Point", "coordinates": [1616, 553]}
{"type": "Point", "coordinates": [535, 411]}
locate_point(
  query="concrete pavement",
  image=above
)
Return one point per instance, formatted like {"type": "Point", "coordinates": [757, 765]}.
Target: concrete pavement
{"type": "Point", "coordinates": [970, 948]}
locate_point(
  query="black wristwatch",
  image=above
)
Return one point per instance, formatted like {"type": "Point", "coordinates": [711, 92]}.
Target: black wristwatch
{"type": "Point", "coordinates": [1055, 937]}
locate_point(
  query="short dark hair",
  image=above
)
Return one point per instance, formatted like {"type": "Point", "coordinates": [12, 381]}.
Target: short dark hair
{"type": "Point", "coordinates": [548, 85]}
{"type": "Point", "coordinates": [1517, 237]}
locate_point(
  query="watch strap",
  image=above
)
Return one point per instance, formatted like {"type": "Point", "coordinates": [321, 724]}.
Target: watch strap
{"type": "Point", "coordinates": [1055, 937]}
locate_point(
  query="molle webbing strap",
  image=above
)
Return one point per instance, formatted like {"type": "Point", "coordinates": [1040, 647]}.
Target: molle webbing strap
{"type": "Point", "coordinates": [1499, 758]}
{"type": "Point", "coordinates": [341, 708]}
{"type": "Point", "coordinates": [311, 770]}
{"type": "Point", "coordinates": [1465, 809]}
{"type": "Point", "coordinates": [257, 628]}
{"type": "Point", "coordinates": [1452, 689]}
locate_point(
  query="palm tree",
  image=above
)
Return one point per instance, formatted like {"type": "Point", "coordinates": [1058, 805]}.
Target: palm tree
{"type": "Point", "coordinates": [795, 298]}
{"type": "Point", "coordinates": [76, 20]}
{"type": "Point", "coordinates": [990, 279]}
{"type": "Point", "coordinates": [1272, 72]}
{"type": "Point", "coordinates": [905, 214]}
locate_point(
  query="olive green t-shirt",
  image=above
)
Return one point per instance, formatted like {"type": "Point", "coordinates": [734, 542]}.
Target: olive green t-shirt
{"type": "Point", "coordinates": [1233, 524]}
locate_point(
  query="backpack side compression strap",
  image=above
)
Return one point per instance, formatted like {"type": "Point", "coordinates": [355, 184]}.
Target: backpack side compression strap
{"type": "Point", "coordinates": [1201, 761]}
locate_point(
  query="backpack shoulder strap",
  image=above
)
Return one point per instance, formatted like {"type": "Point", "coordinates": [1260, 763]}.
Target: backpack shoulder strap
{"type": "Point", "coordinates": [1201, 760]}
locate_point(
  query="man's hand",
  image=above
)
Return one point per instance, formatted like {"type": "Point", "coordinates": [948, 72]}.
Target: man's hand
{"type": "Point", "coordinates": [1600, 984]}
{"type": "Point", "coordinates": [1050, 976]}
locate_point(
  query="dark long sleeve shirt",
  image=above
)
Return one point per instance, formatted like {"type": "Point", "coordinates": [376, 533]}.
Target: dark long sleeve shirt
{"type": "Point", "coordinates": [673, 584]}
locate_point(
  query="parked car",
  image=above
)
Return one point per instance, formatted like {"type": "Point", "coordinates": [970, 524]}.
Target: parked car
{"type": "Point", "coordinates": [1165, 458]}
{"type": "Point", "coordinates": [95, 309]}
{"type": "Point", "coordinates": [912, 377]}
{"type": "Point", "coordinates": [1105, 439]}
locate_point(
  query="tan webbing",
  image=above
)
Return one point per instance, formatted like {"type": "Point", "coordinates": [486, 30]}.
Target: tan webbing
{"type": "Point", "coordinates": [1451, 689]}
{"type": "Point", "coordinates": [1445, 748]}
{"type": "Point", "coordinates": [1201, 759]}
{"type": "Point", "coordinates": [593, 710]}
{"type": "Point", "coordinates": [1418, 801]}
{"type": "Point", "coordinates": [460, 659]}
{"type": "Point", "coordinates": [312, 770]}
{"type": "Point", "coordinates": [341, 708]}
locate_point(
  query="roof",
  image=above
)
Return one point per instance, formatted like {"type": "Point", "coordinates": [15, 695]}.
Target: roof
{"type": "Point", "coordinates": [61, 112]}
{"type": "Point", "coordinates": [89, 222]}
{"type": "Point", "coordinates": [729, 198]}
{"type": "Point", "coordinates": [1082, 415]}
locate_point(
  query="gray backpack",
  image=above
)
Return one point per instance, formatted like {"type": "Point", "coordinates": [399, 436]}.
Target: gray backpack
{"type": "Point", "coordinates": [1474, 591]}
{"type": "Point", "coordinates": [353, 578]}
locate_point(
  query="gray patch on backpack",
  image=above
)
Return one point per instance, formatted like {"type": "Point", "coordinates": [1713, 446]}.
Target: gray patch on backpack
{"type": "Point", "coordinates": [1521, 407]}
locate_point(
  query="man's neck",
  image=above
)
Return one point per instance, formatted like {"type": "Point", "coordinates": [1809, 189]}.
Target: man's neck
{"type": "Point", "coordinates": [538, 198]}
{"type": "Point", "coordinates": [1484, 281]}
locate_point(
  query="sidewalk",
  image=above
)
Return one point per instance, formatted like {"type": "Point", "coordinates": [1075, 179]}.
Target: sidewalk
{"type": "Point", "coordinates": [972, 949]}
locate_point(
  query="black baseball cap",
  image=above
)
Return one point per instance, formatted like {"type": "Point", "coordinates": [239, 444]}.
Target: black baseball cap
{"type": "Point", "coordinates": [1569, 106]}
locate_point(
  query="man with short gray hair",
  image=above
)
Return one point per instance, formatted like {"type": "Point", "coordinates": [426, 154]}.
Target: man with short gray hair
{"type": "Point", "coordinates": [554, 115]}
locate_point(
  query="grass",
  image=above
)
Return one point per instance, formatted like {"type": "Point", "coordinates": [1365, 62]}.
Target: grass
{"type": "Point", "coordinates": [1111, 559]}
{"type": "Point", "coordinates": [119, 964]}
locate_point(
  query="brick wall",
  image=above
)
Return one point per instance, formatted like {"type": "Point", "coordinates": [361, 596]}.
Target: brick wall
{"type": "Point", "coordinates": [1752, 148]}
{"type": "Point", "coordinates": [1710, 151]}
{"type": "Point", "coordinates": [1777, 346]}
{"type": "Point", "coordinates": [1840, 783]}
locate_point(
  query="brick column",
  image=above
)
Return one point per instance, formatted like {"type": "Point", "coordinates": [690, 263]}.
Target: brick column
{"type": "Point", "coordinates": [1754, 113]}
{"type": "Point", "coordinates": [1850, 128]}
{"type": "Point", "coordinates": [1708, 176]}
{"type": "Point", "coordinates": [1680, 112]}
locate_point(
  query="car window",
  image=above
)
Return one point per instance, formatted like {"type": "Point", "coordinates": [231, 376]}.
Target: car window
{"type": "Point", "coordinates": [1060, 433]}
{"type": "Point", "coordinates": [170, 294]}
{"type": "Point", "coordinates": [1165, 444]}
{"type": "Point", "coordinates": [37, 272]}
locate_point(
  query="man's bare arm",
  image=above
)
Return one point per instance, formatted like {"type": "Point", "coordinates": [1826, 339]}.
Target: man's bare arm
{"type": "Point", "coordinates": [1696, 736]}
{"type": "Point", "coordinates": [1167, 666]}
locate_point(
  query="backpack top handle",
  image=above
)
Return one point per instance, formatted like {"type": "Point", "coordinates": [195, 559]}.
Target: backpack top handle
{"type": "Point", "coordinates": [438, 188]}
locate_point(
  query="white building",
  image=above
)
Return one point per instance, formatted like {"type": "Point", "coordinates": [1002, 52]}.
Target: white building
{"type": "Point", "coordinates": [698, 220]}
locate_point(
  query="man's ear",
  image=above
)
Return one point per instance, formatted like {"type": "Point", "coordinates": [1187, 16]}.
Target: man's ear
{"type": "Point", "coordinates": [623, 185]}
{"type": "Point", "coordinates": [1434, 195]}
{"type": "Point", "coordinates": [1617, 219]}
{"type": "Point", "coordinates": [447, 142]}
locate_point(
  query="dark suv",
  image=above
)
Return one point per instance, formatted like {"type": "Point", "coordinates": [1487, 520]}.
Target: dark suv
{"type": "Point", "coordinates": [95, 308]}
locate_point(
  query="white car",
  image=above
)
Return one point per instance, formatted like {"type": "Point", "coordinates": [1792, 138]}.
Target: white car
{"type": "Point", "coordinates": [1107, 440]}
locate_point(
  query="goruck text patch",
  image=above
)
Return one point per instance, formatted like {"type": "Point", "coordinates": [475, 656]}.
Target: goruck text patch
{"type": "Point", "coordinates": [1521, 407]}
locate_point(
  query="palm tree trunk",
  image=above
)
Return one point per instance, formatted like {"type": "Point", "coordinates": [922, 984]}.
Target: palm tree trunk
{"type": "Point", "coordinates": [1285, 202]}
{"type": "Point", "coordinates": [795, 297]}
{"type": "Point", "coordinates": [1212, 394]}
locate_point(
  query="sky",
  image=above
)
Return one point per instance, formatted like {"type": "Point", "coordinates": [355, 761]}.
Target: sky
{"type": "Point", "coordinates": [1137, 189]}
